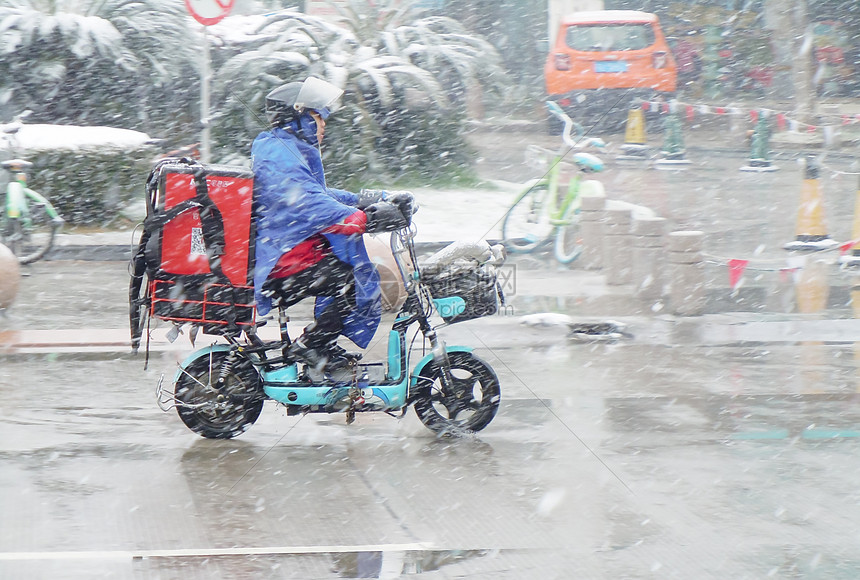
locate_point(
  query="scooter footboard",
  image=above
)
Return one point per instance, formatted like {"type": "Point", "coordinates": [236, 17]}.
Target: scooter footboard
{"type": "Point", "coordinates": [337, 397]}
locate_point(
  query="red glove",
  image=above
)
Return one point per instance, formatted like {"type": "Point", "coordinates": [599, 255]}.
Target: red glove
{"type": "Point", "coordinates": [352, 224]}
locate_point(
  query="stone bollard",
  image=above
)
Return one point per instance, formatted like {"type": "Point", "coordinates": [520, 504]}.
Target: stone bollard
{"type": "Point", "coordinates": [648, 241]}
{"type": "Point", "coordinates": [10, 277]}
{"type": "Point", "coordinates": [687, 282]}
{"type": "Point", "coordinates": [591, 220]}
{"type": "Point", "coordinates": [617, 246]}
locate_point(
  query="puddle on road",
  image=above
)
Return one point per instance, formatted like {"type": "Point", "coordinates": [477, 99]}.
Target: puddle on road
{"type": "Point", "coordinates": [396, 564]}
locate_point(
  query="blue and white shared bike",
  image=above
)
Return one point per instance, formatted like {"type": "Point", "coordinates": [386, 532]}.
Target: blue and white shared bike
{"type": "Point", "coordinates": [219, 390]}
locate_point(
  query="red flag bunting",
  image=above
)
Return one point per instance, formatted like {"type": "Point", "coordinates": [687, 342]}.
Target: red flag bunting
{"type": "Point", "coordinates": [844, 248]}
{"type": "Point", "coordinates": [665, 107]}
{"type": "Point", "coordinates": [780, 121]}
{"type": "Point", "coordinates": [736, 270]}
{"type": "Point", "coordinates": [720, 111]}
{"type": "Point", "coordinates": [690, 112]}
{"type": "Point", "coordinates": [811, 128]}
{"type": "Point", "coordinates": [646, 105]}
{"type": "Point", "coordinates": [753, 115]}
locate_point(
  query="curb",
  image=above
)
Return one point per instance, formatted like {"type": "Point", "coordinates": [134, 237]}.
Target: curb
{"type": "Point", "coordinates": [89, 253]}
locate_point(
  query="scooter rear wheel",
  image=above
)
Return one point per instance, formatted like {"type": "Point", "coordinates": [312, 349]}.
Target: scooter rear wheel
{"type": "Point", "coordinates": [218, 412]}
{"type": "Point", "coordinates": [473, 404]}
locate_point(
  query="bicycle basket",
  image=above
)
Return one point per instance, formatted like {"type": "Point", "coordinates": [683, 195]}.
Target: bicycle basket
{"type": "Point", "coordinates": [464, 294]}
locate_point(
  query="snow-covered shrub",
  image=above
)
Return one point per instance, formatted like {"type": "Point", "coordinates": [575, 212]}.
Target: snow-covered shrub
{"type": "Point", "coordinates": [91, 187]}
{"type": "Point", "coordinates": [89, 173]}
{"type": "Point", "coordinates": [128, 63]}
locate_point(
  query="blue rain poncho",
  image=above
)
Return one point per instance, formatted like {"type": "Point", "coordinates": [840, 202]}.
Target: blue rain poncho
{"type": "Point", "coordinates": [293, 203]}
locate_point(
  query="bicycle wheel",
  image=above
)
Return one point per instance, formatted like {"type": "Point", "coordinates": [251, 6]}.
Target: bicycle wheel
{"type": "Point", "coordinates": [13, 235]}
{"type": "Point", "coordinates": [568, 238]}
{"type": "Point", "coordinates": [527, 224]}
{"type": "Point", "coordinates": [34, 240]}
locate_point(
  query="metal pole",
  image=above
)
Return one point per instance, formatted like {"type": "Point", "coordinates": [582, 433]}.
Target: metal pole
{"type": "Point", "coordinates": [205, 74]}
{"type": "Point", "coordinates": [804, 90]}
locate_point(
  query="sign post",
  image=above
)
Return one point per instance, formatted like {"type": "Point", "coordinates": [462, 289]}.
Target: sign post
{"type": "Point", "coordinates": [207, 13]}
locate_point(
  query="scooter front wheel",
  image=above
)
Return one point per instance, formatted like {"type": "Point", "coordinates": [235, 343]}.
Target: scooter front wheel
{"type": "Point", "coordinates": [218, 411]}
{"type": "Point", "coordinates": [472, 404]}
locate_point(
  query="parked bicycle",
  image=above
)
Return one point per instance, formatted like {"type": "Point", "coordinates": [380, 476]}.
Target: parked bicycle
{"type": "Point", "coordinates": [29, 222]}
{"type": "Point", "coordinates": [547, 212]}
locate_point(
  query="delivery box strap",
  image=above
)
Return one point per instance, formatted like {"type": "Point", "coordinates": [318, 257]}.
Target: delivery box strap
{"type": "Point", "coordinates": [212, 231]}
{"type": "Point", "coordinates": [210, 215]}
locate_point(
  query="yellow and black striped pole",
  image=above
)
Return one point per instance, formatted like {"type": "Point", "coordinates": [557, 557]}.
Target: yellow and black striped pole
{"type": "Point", "coordinates": [853, 258]}
{"type": "Point", "coordinates": [634, 147]}
{"type": "Point", "coordinates": [811, 232]}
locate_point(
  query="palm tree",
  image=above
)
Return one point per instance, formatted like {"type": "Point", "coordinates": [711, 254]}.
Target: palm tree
{"type": "Point", "coordinates": [461, 61]}
{"type": "Point", "coordinates": [96, 61]}
{"type": "Point", "coordinates": [396, 108]}
{"type": "Point", "coordinates": [289, 45]}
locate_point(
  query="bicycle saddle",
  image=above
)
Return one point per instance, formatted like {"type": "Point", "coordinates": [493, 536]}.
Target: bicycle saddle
{"type": "Point", "coordinates": [587, 162]}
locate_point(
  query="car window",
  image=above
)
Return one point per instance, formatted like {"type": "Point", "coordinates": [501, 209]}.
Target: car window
{"type": "Point", "coordinates": [607, 37]}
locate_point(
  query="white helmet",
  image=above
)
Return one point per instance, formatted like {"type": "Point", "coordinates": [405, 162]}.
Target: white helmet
{"type": "Point", "coordinates": [289, 101]}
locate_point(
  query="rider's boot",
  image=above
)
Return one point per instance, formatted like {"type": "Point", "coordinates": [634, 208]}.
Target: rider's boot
{"type": "Point", "coordinates": [315, 345]}
{"type": "Point", "coordinates": [338, 351]}
{"type": "Point", "coordinates": [319, 357]}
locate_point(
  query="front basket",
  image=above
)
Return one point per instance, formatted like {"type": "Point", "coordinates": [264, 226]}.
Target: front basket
{"type": "Point", "coordinates": [464, 294]}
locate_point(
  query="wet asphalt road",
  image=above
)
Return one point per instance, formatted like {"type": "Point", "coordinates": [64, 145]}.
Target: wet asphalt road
{"type": "Point", "coordinates": [717, 447]}
{"type": "Point", "coordinates": [722, 446]}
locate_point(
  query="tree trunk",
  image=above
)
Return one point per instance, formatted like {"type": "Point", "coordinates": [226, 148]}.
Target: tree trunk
{"type": "Point", "coordinates": [801, 67]}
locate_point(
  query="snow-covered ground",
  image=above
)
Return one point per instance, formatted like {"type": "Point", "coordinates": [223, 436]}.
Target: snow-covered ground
{"type": "Point", "coordinates": [471, 215]}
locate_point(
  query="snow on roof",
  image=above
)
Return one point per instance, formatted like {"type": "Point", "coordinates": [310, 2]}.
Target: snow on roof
{"type": "Point", "coordinates": [609, 16]}
{"type": "Point", "coordinates": [70, 137]}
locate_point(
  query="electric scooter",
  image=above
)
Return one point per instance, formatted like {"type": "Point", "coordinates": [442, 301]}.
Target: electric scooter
{"type": "Point", "coordinates": [219, 390]}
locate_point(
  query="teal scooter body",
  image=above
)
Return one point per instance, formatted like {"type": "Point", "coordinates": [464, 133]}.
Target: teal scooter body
{"type": "Point", "coordinates": [384, 387]}
{"type": "Point", "coordinates": [219, 390]}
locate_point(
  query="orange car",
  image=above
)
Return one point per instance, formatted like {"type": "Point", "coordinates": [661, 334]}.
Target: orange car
{"type": "Point", "coordinates": [604, 60]}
